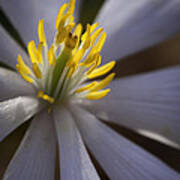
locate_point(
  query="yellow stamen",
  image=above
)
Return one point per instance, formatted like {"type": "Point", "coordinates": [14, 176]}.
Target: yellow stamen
{"type": "Point", "coordinates": [24, 76]}
{"type": "Point", "coordinates": [87, 87]}
{"type": "Point", "coordinates": [37, 71]}
{"type": "Point", "coordinates": [32, 51]}
{"type": "Point", "coordinates": [41, 33]}
{"type": "Point", "coordinates": [94, 66]}
{"type": "Point", "coordinates": [76, 58]}
{"type": "Point", "coordinates": [102, 84]}
{"type": "Point", "coordinates": [90, 59]}
{"type": "Point", "coordinates": [71, 6]}
{"type": "Point", "coordinates": [96, 35]}
{"type": "Point", "coordinates": [39, 53]}
{"type": "Point", "coordinates": [87, 40]}
{"type": "Point", "coordinates": [97, 95]}
{"type": "Point", "coordinates": [66, 56]}
{"type": "Point", "coordinates": [45, 97]}
{"type": "Point", "coordinates": [100, 43]}
{"type": "Point", "coordinates": [94, 26]}
{"type": "Point", "coordinates": [77, 33]}
{"type": "Point", "coordinates": [102, 70]}
{"type": "Point", "coordinates": [51, 56]}
{"type": "Point", "coordinates": [22, 66]}
{"type": "Point", "coordinates": [60, 15]}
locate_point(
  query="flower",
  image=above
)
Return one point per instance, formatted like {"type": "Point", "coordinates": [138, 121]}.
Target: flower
{"type": "Point", "coordinates": [63, 107]}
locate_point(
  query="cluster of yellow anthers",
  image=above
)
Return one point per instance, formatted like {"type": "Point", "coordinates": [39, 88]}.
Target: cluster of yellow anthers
{"type": "Point", "coordinates": [62, 70]}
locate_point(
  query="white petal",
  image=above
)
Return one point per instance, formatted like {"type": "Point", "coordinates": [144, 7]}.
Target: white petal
{"type": "Point", "coordinates": [26, 14]}
{"type": "Point", "coordinates": [36, 156]}
{"type": "Point", "coordinates": [120, 158]}
{"type": "Point", "coordinates": [9, 49]}
{"type": "Point", "coordinates": [134, 25]}
{"type": "Point", "coordinates": [74, 160]}
{"type": "Point", "coordinates": [16, 111]}
{"type": "Point", "coordinates": [13, 85]}
{"type": "Point", "coordinates": [148, 102]}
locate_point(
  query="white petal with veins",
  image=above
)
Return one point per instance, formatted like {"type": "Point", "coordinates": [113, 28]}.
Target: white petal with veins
{"type": "Point", "coordinates": [75, 163]}
{"type": "Point", "coordinates": [149, 102]}
{"type": "Point", "coordinates": [9, 49]}
{"type": "Point", "coordinates": [26, 14]}
{"type": "Point", "coordinates": [16, 111]}
{"type": "Point", "coordinates": [134, 25]}
{"type": "Point", "coordinates": [13, 85]}
{"type": "Point", "coordinates": [120, 158]}
{"type": "Point", "coordinates": [36, 156]}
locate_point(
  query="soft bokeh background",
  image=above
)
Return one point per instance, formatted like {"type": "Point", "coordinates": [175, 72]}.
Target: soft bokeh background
{"type": "Point", "coordinates": [157, 57]}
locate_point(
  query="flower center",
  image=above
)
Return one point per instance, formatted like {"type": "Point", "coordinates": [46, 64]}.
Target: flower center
{"type": "Point", "coordinates": [61, 71]}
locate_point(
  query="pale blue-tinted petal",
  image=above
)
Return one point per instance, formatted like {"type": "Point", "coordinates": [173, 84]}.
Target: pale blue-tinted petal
{"type": "Point", "coordinates": [74, 160]}
{"type": "Point", "coordinates": [36, 157]}
{"type": "Point", "coordinates": [120, 158]}
{"type": "Point", "coordinates": [16, 111]}
{"type": "Point", "coordinates": [26, 14]}
{"type": "Point", "coordinates": [134, 25]}
{"type": "Point", "coordinates": [9, 49]}
{"type": "Point", "coordinates": [148, 102]}
{"type": "Point", "coordinates": [13, 85]}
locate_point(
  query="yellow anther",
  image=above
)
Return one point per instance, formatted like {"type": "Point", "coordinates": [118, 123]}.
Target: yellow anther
{"type": "Point", "coordinates": [71, 6]}
{"type": "Point", "coordinates": [94, 26]}
{"type": "Point", "coordinates": [32, 51]}
{"type": "Point", "coordinates": [102, 70]}
{"type": "Point", "coordinates": [103, 83]}
{"type": "Point", "coordinates": [78, 30]}
{"type": "Point", "coordinates": [35, 54]}
{"type": "Point", "coordinates": [90, 59]}
{"type": "Point", "coordinates": [71, 20]}
{"type": "Point", "coordinates": [77, 33]}
{"type": "Point", "coordinates": [39, 53]}
{"type": "Point", "coordinates": [87, 33]}
{"type": "Point", "coordinates": [76, 58]}
{"type": "Point", "coordinates": [100, 43]}
{"type": "Point", "coordinates": [24, 76]}
{"type": "Point", "coordinates": [97, 95]}
{"type": "Point", "coordinates": [87, 87]}
{"type": "Point", "coordinates": [63, 30]}
{"type": "Point", "coordinates": [60, 14]}
{"type": "Point", "coordinates": [36, 70]}
{"type": "Point", "coordinates": [45, 97]}
{"type": "Point", "coordinates": [51, 56]}
{"type": "Point", "coordinates": [22, 66]}
{"type": "Point", "coordinates": [87, 39]}
{"type": "Point", "coordinates": [95, 35]}
{"type": "Point", "coordinates": [41, 33]}
{"type": "Point", "coordinates": [94, 66]}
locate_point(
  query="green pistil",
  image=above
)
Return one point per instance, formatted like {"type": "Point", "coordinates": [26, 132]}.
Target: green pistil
{"type": "Point", "coordinates": [61, 61]}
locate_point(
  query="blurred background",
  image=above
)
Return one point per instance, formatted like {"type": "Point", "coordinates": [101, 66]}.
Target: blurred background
{"type": "Point", "coordinates": [163, 55]}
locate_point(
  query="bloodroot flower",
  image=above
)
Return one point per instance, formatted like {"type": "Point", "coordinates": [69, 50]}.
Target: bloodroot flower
{"type": "Point", "coordinates": [58, 85]}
